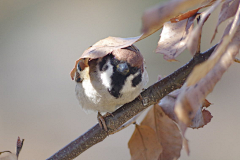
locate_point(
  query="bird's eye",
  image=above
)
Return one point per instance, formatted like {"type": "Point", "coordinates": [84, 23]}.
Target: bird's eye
{"type": "Point", "coordinates": [123, 68]}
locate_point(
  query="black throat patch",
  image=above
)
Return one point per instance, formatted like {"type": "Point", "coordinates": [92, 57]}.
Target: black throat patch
{"type": "Point", "coordinates": [118, 79]}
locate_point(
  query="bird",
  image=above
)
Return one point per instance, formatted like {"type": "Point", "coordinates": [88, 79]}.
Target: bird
{"type": "Point", "coordinates": [104, 84]}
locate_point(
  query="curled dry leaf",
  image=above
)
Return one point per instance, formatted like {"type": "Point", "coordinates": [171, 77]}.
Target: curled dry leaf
{"type": "Point", "coordinates": [19, 146]}
{"type": "Point", "coordinates": [194, 37]}
{"type": "Point", "coordinates": [206, 103]}
{"type": "Point", "coordinates": [191, 98]}
{"type": "Point", "coordinates": [154, 18]}
{"type": "Point", "coordinates": [229, 9]}
{"type": "Point", "coordinates": [104, 47]}
{"type": "Point", "coordinates": [144, 144]}
{"type": "Point", "coordinates": [203, 69]}
{"type": "Point", "coordinates": [185, 15]}
{"type": "Point", "coordinates": [237, 60]}
{"type": "Point", "coordinates": [174, 37]}
{"type": "Point", "coordinates": [168, 104]}
{"type": "Point", "coordinates": [203, 118]}
{"type": "Point", "coordinates": [190, 13]}
{"type": "Point", "coordinates": [167, 132]}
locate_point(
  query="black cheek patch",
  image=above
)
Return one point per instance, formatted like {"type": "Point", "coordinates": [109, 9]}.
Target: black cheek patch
{"type": "Point", "coordinates": [118, 79]}
{"type": "Point", "coordinates": [137, 80]}
{"type": "Point", "coordinates": [117, 83]}
{"type": "Point", "coordinates": [114, 92]}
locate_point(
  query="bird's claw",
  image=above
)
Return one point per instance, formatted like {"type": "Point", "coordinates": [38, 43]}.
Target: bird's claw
{"type": "Point", "coordinates": [101, 122]}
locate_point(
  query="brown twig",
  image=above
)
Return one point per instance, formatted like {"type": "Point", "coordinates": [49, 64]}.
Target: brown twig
{"type": "Point", "coordinates": [150, 96]}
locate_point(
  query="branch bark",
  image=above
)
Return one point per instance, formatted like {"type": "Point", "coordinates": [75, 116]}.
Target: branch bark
{"type": "Point", "coordinates": [150, 96]}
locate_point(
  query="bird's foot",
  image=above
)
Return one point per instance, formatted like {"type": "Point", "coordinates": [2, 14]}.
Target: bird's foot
{"type": "Point", "coordinates": [141, 98]}
{"type": "Point", "coordinates": [101, 120]}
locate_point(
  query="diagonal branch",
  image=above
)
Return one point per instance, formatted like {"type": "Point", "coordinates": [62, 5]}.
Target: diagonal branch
{"type": "Point", "coordinates": [150, 96]}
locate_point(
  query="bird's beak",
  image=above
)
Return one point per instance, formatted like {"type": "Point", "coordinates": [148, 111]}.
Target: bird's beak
{"type": "Point", "coordinates": [123, 68]}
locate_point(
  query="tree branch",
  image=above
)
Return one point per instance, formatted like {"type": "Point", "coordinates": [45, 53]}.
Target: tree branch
{"type": "Point", "coordinates": [150, 96]}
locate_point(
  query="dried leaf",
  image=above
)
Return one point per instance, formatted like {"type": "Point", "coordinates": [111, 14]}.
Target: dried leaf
{"type": "Point", "coordinates": [237, 60]}
{"type": "Point", "coordinates": [201, 118]}
{"type": "Point", "coordinates": [154, 18]}
{"type": "Point", "coordinates": [168, 104]}
{"type": "Point", "coordinates": [228, 10]}
{"type": "Point", "coordinates": [19, 146]}
{"type": "Point", "coordinates": [194, 40]}
{"type": "Point", "coordinates": [144, 144]}
{"type": "Point", "coordinates": [190, 13]}
{"type": "Point", "coordinates": [190, 99]}
{"type": "Point", "coordinates": [186, 146]}
{"type": "Point", "coordinates": [107, 45]}
{"type": "Point", "coordinates": [203, 69]}
{"type": "Point", "coordinates": [185, 15]}
{"type": "Point", "coordinates": [174, 37]}
{"type": "Point", "coordinates": [206, 103]}
{"type": "Point", "coordinates": [167, 131]}
{"type": "Point", "coordinates": [104, 47]}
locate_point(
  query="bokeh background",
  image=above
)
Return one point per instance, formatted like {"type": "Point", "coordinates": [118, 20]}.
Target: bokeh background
{"type": "Point", "coordinates": [39, 43]}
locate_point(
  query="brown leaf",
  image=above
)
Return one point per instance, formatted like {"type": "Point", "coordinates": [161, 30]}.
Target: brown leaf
{"type": "Point", "coordinates": [206, 103]}
{"type": "Point", "coordinates": [190, 13]}
{"type": "Point", "coordinates": [168, 104]}
{"type": "Point", "coordinates": [107, 45]}
{"type": "Point", "coordinates": [104, 47]}
{"type": "Point", "coordinates": [228, 10]}
{"type": "Point", "coordinates": [202, 118]}
{"type": "Point", "coordinates": [167, 131]}
{"type": "Point", "coordinates": [174, 37]}
{"type": "Point", "coordinates": [19, 146]}
{"type": "Point", "coordinates": [207, 116]}
{"type": "Point", "coordinates": [203, 69]}
{"type": "Point", "coordinates": [190, 99]}
{"type": "Point", "coordinates": [154, 18]}
{"type": "Point", "coordinates": [144, 144]}
{"type": "Point", "coordinates": [185, 15]}
{"type": "Point", "coordinates": [237, 60]}
{"type": "Point", "coordinates": [194, 40]}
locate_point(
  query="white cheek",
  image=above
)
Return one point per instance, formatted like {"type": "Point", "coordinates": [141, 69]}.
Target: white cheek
{"type": "Point", "coordinates": [106, 76]}
{"type": "Point", "coordinates": [84, 74]}
{"type": "Point", "coordinates": [128, 84]}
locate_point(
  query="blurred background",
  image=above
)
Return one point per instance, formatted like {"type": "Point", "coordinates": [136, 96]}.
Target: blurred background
{"type": "Point", "coordinates": [39, 43]}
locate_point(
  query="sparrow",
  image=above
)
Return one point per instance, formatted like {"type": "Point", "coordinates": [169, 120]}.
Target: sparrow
{"type": "Point", "coordinates": [104, 84]}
